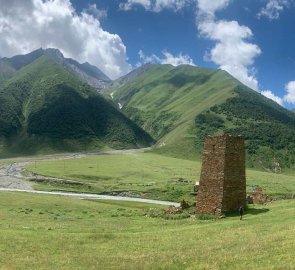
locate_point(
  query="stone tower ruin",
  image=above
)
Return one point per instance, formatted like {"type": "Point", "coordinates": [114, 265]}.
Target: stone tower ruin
{"type": "Point", "coordinates": [222, 186]}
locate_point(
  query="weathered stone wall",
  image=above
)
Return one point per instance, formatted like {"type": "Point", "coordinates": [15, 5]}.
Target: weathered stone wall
{"type": "Point", "coordinates": [223, 182]}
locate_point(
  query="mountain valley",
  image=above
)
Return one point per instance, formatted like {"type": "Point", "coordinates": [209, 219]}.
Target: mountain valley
{"type": "Point", "coordinates": [50, 103]}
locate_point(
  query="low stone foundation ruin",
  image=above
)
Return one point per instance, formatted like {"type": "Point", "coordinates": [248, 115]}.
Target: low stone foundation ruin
{"type": "Point", "coordinates": [258, 197]}
{"type": "Point", "coordinates": [222, 186]}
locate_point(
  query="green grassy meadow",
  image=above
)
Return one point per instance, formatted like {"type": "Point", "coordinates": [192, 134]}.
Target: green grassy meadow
{"type": "Point", "coordinates": [145, 175]}
{"type": "Point", "coordinates": [52, 232]}
{"type": "Point", "coordinates": [140, 175]}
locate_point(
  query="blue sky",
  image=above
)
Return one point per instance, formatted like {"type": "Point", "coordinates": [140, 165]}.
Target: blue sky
{"type": "Point", "coordinates": [252, 40]}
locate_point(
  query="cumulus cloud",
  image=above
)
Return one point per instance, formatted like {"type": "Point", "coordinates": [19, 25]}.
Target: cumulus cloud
{"type": "Point", "coordinates": [269, 94]}
{"type": "Point", "coordinates": [233, 51]}
{"type": "Point", "coordinates": [209, 8]}
{"type": "Point", "coordinates": [168, 58]}
{"type": "Point", "coordinates": [100, 14]}
{"type": "Point", "coordinates": [273, 9]}
{"type": "Point", "coordinates": [290, 88]}
{"type": "Point", "coordinates": [132, 3]}
{"type": "Point", "coordinates": [156, 5]}
{"type": "Point", "coordinates": [31, 24]}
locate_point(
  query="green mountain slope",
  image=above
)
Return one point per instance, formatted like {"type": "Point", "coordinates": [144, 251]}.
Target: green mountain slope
{"type": "Point", "coordinates": [180, 106]}
{"type": "Point", "coordinates": [43, 108]}
{"type": "Point", "coordinates": [6, 71]}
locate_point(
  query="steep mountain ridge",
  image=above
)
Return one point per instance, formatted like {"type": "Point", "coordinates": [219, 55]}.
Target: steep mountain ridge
{"type": "Point", "coordinates": [85, 72]}
{"type": "Point", "coordinates": [131, 75]}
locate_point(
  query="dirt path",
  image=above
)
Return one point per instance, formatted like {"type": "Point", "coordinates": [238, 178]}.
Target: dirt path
{"type": "Point", "coordinates": [12, 179]}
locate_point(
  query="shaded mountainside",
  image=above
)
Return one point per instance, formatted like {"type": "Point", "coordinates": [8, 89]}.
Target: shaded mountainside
{"type": "Point", "coordinates": [44, 108]}
{"type": "Point", "coordinates": [85, 72]}
{"type": "Point", "coordinates": [181, 105]}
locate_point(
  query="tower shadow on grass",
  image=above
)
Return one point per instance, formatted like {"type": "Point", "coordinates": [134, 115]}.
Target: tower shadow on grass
{"type": "Point", "coordinates": [255, 211]}
{"type": "Point", "coordinates": [249, 211]}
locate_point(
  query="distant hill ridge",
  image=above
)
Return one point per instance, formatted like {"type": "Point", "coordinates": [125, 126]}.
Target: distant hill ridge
{"type": "Point", "coordinates": [181, 105]}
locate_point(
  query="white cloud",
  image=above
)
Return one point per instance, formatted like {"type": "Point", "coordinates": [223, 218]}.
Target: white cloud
{"type": "Point", "coordinates": [100, 14]}
{"type": "Point", "coordinates": [131, 3]}
{"type": "Point", "coordinates": [290, 88]}
{"type": "Point", "coordinates": [144, 59]}
{"type": "Point", "coordinates": [209, 8]}
{"type": "Point", "coordinates": [180, 59]}
{"type": "Point", "coordinates": [177, 60]}
{"type": "Point", "coordinates": [269, 94]}
{"type": "Point", "coordinates": [232, 52]}
{"type": "Point", "coordinates": [156, 5]}
{"type": "Point", "coordinates": [159, 5]}
{"type": "Point", "coordinates": [273, 9]}
{"type": "Point", "coordinates": [31, 24]}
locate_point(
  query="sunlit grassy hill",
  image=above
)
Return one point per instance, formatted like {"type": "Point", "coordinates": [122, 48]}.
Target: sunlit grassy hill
{"type": "Point", "coordinates": [179, 106]}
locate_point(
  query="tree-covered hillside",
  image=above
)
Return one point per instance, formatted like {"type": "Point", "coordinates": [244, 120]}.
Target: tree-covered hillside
{"type": "Point", "coordinates": [43, 108]}
{"type": "Point", "coordinates": [269, 129]}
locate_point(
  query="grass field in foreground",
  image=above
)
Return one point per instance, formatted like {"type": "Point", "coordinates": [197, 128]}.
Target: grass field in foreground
{"type": "Point", "coordinates": [144, 175]}
{"type": "Point", "coordinates": [50, 232]}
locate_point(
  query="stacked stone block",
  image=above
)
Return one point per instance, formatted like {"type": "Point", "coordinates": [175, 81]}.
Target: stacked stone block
{"type": "Point", "coordinates": [222, 185]}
